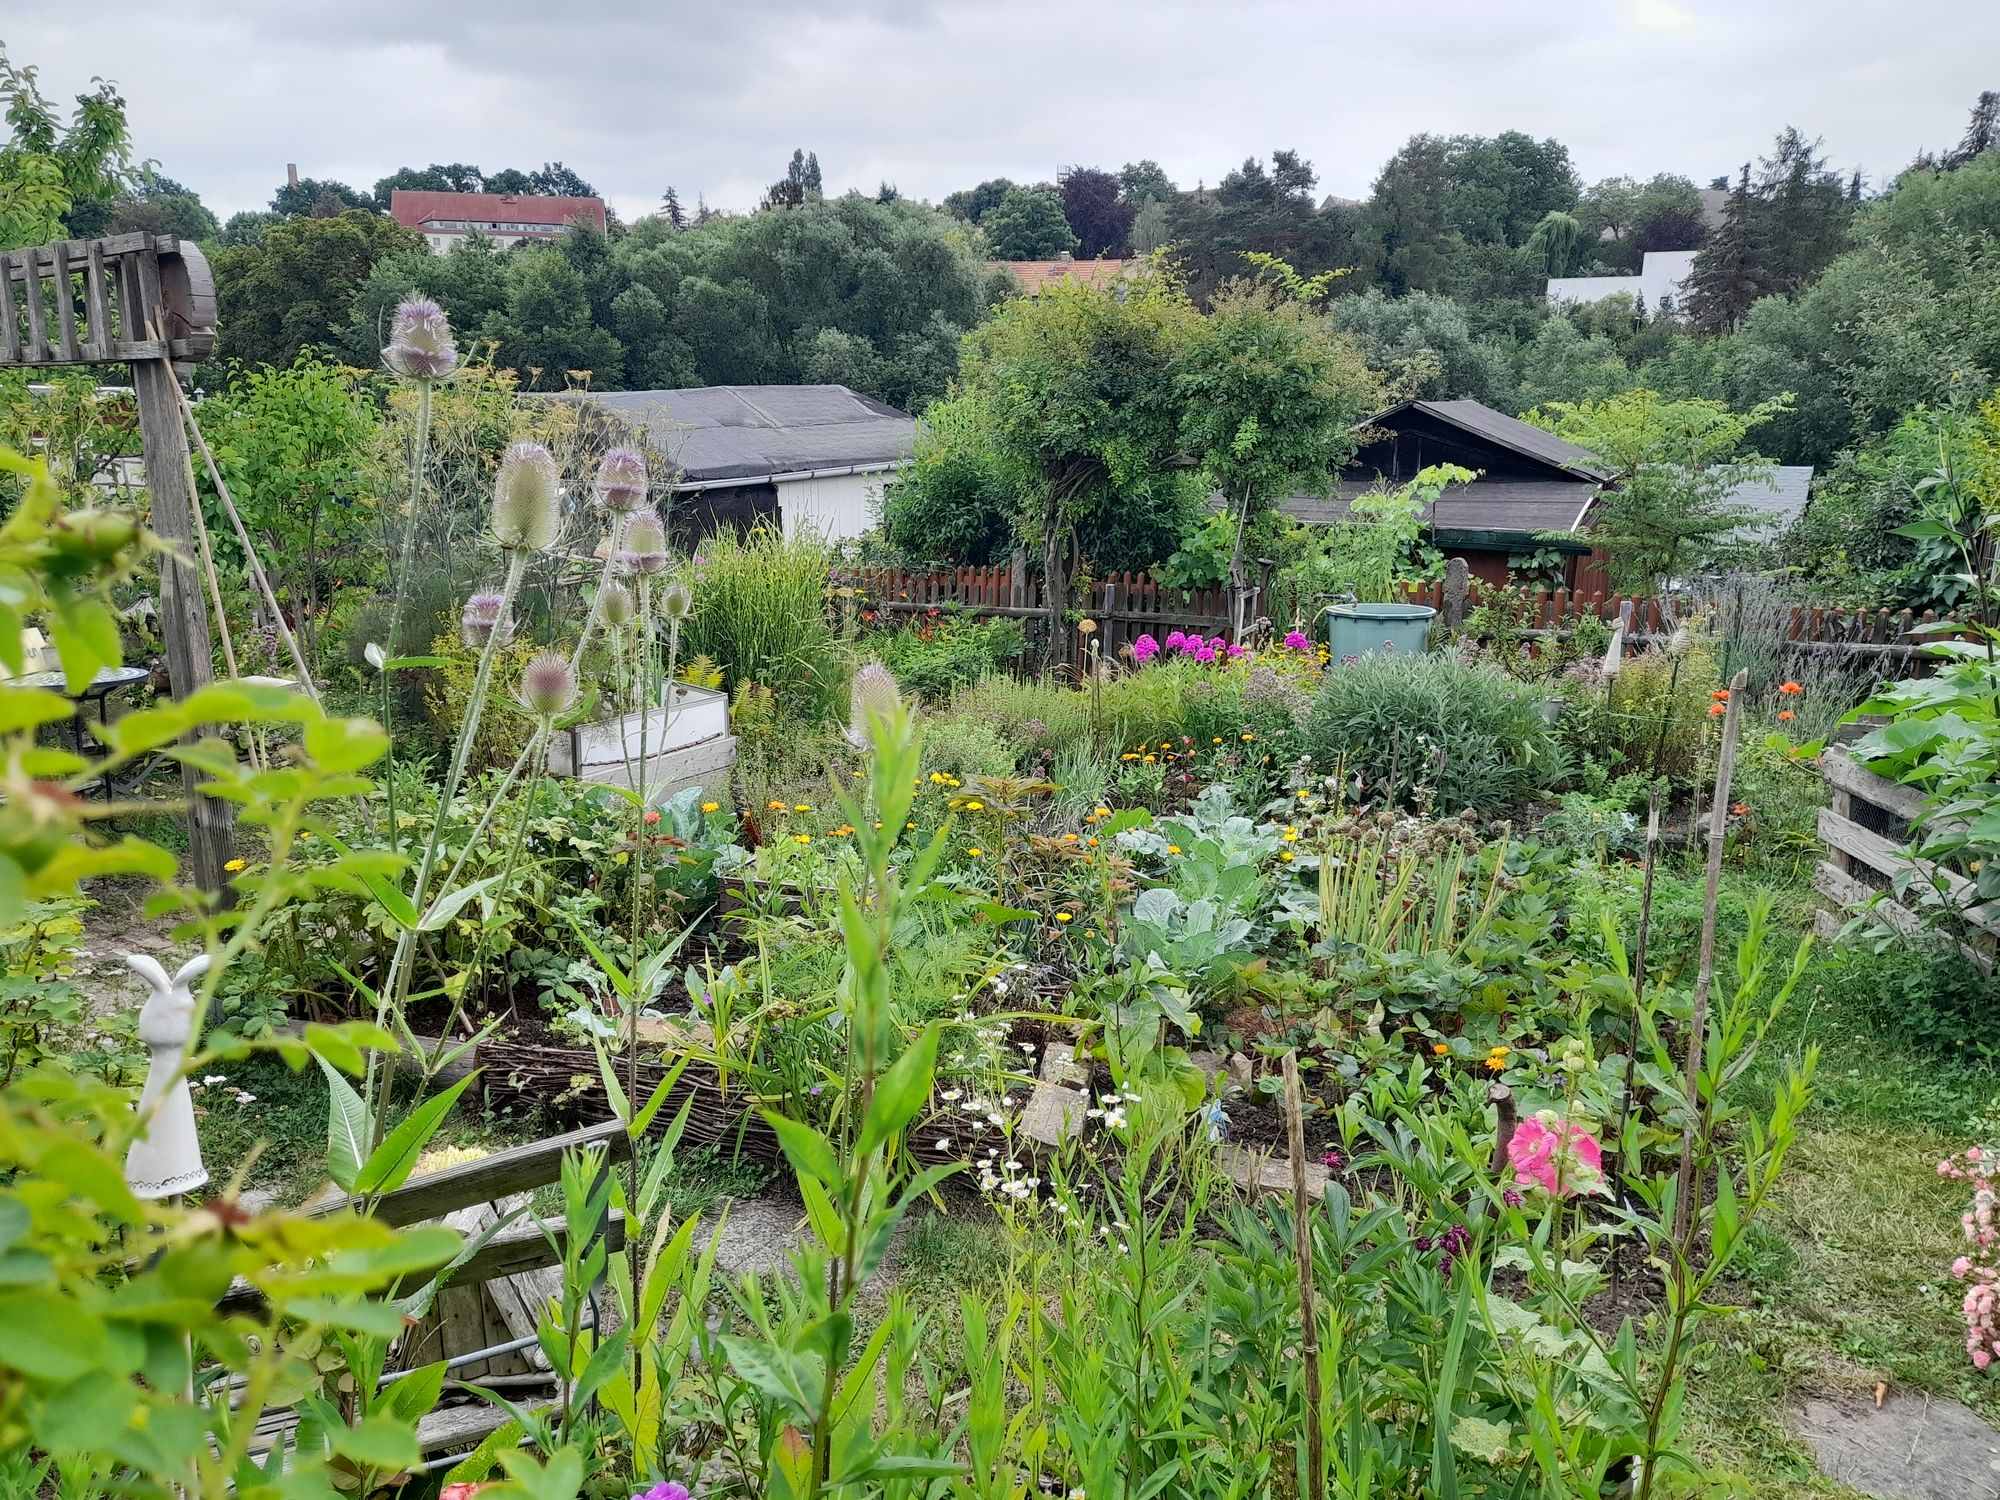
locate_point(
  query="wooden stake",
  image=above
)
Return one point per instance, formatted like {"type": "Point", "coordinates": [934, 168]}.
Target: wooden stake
{"type": "Point", "coordinates": [1686, 1198]}
{"type": "Point", "coordinates": [1295, 1139]}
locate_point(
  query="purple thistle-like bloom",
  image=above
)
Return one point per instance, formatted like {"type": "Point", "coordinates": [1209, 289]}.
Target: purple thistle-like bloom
{"type": "Point", "coordinates": [548, 687]}
{"type": "Point", "coordinates": [1296, 640]}
{"type": "Point", "coordinates": [1145, 648]}
{"type": "Point", "coordinates": [481, 618]}
{"type": "Point", "coordinates": [642, 545]}
{"type": "Point", "coordinates": [621, 481]}
{"type": "Point", "coordinates": [420, 344]}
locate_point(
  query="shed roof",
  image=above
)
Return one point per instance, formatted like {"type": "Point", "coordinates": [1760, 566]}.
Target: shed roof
{"type": "Point", "coordinates": [734, 434]}
{"type": "Point", "coordinates": [1483, 421]}
{"type": "Point", "coordinates": [1779, 500]}
{"type": "Point", "coordinates": [1525, 506]}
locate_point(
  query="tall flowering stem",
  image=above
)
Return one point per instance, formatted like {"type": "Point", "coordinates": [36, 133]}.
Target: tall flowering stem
{"type": "Point", "coordinates": [420, 443]}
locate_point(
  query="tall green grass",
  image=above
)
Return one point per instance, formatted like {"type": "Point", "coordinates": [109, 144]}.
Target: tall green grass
{"type": "Point", "coordinates": [760, 613]}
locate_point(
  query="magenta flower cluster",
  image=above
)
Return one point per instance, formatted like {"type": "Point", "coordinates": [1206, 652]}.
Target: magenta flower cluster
{"type": "Point", "coordinates": [1449, 1245]}
{"type": "Point", "coordinates": [1145, 648]}
{"type": "Point", "coordinates": [1297, 640]}
{"type": "Point", "coordinates": [1980, 1270]}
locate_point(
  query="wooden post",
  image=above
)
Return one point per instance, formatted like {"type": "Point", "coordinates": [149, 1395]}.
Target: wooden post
{"type": "Point", "coordinates": [183, 614]}
{"type": "Point", "coordinates": [1457, 582]}
{"type": "Point", "coordinates": [1295, 1141]}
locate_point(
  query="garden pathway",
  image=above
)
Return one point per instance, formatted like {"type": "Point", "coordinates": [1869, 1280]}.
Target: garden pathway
{"type": "Point", "coordinates": [1910, 1448]}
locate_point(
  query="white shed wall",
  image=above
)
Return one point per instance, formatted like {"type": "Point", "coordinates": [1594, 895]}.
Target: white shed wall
{"type": "Point", "coordinates": [837, 507]}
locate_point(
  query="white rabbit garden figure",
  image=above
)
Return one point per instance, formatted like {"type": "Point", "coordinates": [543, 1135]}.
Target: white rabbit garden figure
{"type": "Point", "coordinates": [166, 1159]}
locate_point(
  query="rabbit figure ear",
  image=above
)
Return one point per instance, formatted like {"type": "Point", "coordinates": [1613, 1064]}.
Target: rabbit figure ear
{"type": "Point", "coordinates": [148, 968]}
{"type": "Point", "coordinates": [190, 971]}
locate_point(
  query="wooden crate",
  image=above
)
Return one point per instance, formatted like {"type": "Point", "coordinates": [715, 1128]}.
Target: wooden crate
{"type": "Point", "coordinates": [1865, 832]}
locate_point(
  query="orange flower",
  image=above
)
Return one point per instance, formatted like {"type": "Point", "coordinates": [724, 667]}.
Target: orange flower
{"type": "Point", "coordinates": [1740, 809]}
{"type": "Point", "coordinates": [1785, 716]}
{"type": "Point", "coordinates": [1715, 710]}
{"type": "Point", "coordinates": [1790, 689]}
{"type": "Point", "coordinates": [1439, 1048]}
{"type": "Point", "coordinates": [1720, 695]}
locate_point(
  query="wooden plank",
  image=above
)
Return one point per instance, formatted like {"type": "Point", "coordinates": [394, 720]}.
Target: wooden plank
{"type": "Point", "coordinates": [1849, 893]}
{"type": "Point", "coordinates": [454, 1429]}
{"type": "Point", "coordinates": [62, 256]}
{"type": "Point", "coordinates": [517, 1170]}
{"type": "Point", "coordinates": [113, 246]}
{"type": "Point", "coordinates": [1846, 774]}
{"type": "Point", "coordinates": [1887, 858]}
{"type": "Point", "coordinates": [97, 304]}
{"type": "Point", "coordinates": [10, 315]}
{"type": "Point", "coordinates": [37, 350]}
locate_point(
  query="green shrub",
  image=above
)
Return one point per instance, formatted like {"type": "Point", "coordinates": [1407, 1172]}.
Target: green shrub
{"type": "Point", "coordinates": [760, 614]}
{"type": "Point", "coordinates": [1658, 710]}
{"type": "Point", "coordinates": [1433, 729]}
{"type": "Point", "coordinates": [935, 658]}
{"type": "Point", "coordinates": [1927, 995]}
{"type": "Point", "coordinates": [964, 745]}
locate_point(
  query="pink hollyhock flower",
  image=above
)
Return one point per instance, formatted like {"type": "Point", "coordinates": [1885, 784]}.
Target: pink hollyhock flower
{"type": "Point", "coordinates": [1561, 1159]}
{"type": "Point", "coordinates": [464, 1491]}
{"type": "Point", "coordinates": [1146, 648]}
{"type": "Point", "coordinates": [1295, 640]}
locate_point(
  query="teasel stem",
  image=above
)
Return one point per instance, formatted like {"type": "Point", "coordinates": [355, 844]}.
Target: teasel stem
{"type": "Point", "coordinates": [419, 454]}
{"type": "Point", "coordinates": [538, 747]}
{"type": "Point", "coordinates": [639, 873]}
{"type": "Point", "coordinates": [395, 987]}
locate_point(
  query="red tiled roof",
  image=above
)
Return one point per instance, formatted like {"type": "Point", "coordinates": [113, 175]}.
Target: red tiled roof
{"type": "Point", "coordinates": [414, 208]}
{"type": "Point", "coordinates": [1036, 274]}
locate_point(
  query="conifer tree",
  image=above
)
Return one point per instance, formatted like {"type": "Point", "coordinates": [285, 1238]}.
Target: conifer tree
{"type": "Point", "coordinates": [1725, 278]}
{"type": "Point", "coordinates": [671, 210]}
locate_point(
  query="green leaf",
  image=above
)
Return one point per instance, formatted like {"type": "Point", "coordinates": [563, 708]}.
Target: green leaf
{"type": "Point", "coordinates": [389, 1166]}
{"type": "Point", "coordinates": [478, 1464]}
{"type": "Point", "coordinates": [809, 1152]}
{"type": "Point", "coordinates": [901, 1091]}
{"type": "Point", "coordinates": [411, 1397]}
{"type": "Point", "coordinates": [30, 708]}
{"type": "Point", "coordinates": [347, 1129]}
{"type": "Point", "coordinates": [345, 744]}
{"type": "Point", "coordinates": [1481, 1439]}
{"type": "Point", "coordinates": [448, 905]}
{"type": "Point", "coordinates": [604, 1362]}
{"type": "Point", "coordinates": [379, 1442]}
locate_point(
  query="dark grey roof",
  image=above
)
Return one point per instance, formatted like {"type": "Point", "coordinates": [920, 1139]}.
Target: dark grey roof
{"type": "Point", "coordinates": [1509, 432]}
{"type": "Point", "coordinates": [1517, 505]}
{"type": "Point", "coordinates": [720, 433]}
{"type": "Point", "coordinates": [1778, 501]}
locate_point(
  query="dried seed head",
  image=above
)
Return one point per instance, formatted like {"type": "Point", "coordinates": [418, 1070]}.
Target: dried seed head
{"type": "Point", "coordinates": [676, 602]}
{"type": "Point", "coordinates": [548, 687]}
{"type": "Point", "coordinates": [873, 696]}
{"type": "Point", "coordinates": [420, 344]}
{"type": "Point", "coordinates": [527, 511]}
{"type": "Point", "coordinates": [481, 619]}
{"type": "Point", "coordinates": [621, 481]}
{"type": "Point", "coordinates": [642, 546]}
{"type": "Point", "coordinates": [616, 604]}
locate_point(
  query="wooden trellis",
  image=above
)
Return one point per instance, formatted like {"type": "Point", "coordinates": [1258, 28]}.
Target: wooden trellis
{"type": "Point", "coordinates": [148, 301]}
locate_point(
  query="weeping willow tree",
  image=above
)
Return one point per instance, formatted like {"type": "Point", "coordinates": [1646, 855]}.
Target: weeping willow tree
{"type": "Point", "coordinates": [1555, 240]}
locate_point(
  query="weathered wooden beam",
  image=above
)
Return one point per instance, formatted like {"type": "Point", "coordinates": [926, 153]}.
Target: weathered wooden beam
{"type": "Point", "coordinates": [37, 351]}
{"type": "Point", "coordinates": [183, 609]}
{"type": "Point", "coordinates": [10, 317]}
{"type": "Point", "coordinates": [62, 257]}
{"type": "Point", "coordinates": [113, 245]}
{"type": "Point", "coordinates": [519, 1169]}
{"type": "Point", "coordinates": [97, 306]}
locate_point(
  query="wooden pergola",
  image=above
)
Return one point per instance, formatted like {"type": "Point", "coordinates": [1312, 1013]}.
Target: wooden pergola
{"type": "Point", "coordinates": [147, 301]}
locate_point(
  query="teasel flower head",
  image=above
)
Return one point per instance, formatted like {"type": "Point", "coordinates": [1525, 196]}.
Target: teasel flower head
{"type": "Point", "coordinates": [481, 619]}
{"type": "Point", "coordinates": [617, 605]}
{"type": "Point", "coordinates": [872, 696]}
{"type": "Point", "coordinates": [1679, 641]}
{"type": "Point", "coordinates": [527, 509]}
{"type": "Point", "coordinates": [642, 544]}
{"type": "Point", "coordinates": [676, 602]}
{"type": "Point", "coordinates": [621, 481]}
{"type": "Point", "coordinates": [548, 687]}
{"type": "Point", "coordinates": [420, 344]}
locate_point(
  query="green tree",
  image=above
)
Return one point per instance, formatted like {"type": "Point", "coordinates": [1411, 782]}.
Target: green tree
{"type": "Point", "coordinates": [469, 281]}
{"type": "Point", "coordinates": [247, 227]}
{"type": "Point", "coordinates": [547, 332]}
{"type": "Point", "coordinates": [1145, 181]}
{"type": "Point", "coordinates": [954, 501]}
{"type": "Point", "coordinates": [1803, 211]}
{"type": "Point", "coordinates": [554, 180]}
{"type": "Point", "coordinates": [296, 287]}
{"type": "Point", "coordinates": [800, 184]}
{"type": "Point", "coordinates": [1728, 274]}
{"type": "Point", "coordinates": [1675, 464]}
{"type": "Point", "coordinates": [1028, 224]}
{"type": "Point", "coordinates": [49, 170]}
{"type": "Point", "coordinates": [1555, 242]}
{"type": "Point", "coordinates": [671, 210]}
{"type": "Point", "coordinates": [318, 198]}
{"type": "Point", "coordinates": [973, 204]}
{"type": "Point", "coordinates": [154, 205]}
{"type": "Point", "coordinates": [453, 177]}
{"type": "Point", "coordinates": [1422, 345]}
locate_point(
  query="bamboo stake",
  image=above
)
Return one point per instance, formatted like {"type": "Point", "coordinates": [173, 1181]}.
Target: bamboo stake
{"type": "Point", "coordinates": [1295, 1138]}
{"type": "Point", "coordinates": [1686, 1196]}
{"type": "Point", "coordinates": [1638, 996]}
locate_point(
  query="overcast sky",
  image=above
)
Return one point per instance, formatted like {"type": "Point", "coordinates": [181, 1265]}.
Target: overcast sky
{"type": "Point", "coordinates": [935, 96]}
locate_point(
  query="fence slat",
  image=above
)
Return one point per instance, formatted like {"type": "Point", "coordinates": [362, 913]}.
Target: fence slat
{"type": "Point", "coordinates": [38, 338]}
{"type": "Point", "coordinates": [63, 256]}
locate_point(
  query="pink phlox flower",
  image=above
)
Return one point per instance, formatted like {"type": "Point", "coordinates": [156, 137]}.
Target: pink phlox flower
{"type": "Point", "coordinates": [1205, 655]}
{"type": "Point", "coordinates": [1296, 640]}
{"type": "Point", "coordinates": [1146, 648]}
{"type": "Point", "coordinates": [668, 1491]}
{"type": "Point", "coordinates": [1177, 640]}
{"type": "Point", "coordinates": [1236, 650]}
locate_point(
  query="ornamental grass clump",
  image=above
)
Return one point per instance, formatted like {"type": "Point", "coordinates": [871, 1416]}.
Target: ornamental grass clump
{"type": "Point", "coordinates": [762, 617]}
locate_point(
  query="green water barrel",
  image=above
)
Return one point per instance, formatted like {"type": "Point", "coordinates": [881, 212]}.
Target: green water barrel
{"type": "Point", "coordinates": [1358, 629]}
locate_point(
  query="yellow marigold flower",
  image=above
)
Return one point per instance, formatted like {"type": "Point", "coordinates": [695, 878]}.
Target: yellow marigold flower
{"type": "Point", "coordinates": [1092, 841]}
{"type": "Point", "coordinates": [973, 804]}
{"type": "Point", "coordinates": [1129, 755]}
{"type": "Point", "coordinates": [1100, 812]}
{"type": "Point", "coordinates": [1304, 794]}
{"type": "Point", "coordinates": [1286, 857]}
{"type": "Point", "coordinates": [1247, 736]}
{"type": "Point", "coordinates": [1496, 1064]}
{"type": "Point", "coordinates": [802, 807]}
{"type": "Point", "coordinates": [775, 805]}
{"type": "Point", "coordinates": [233, 865]}
{"type": "Point", "coordinates": [1166, 744]}
{"type": "Point", "coordinates": [1148, 759]}
{"type": "Point", "coordinates": [976, 852]}
{"type": "Point", "coordinates": [1173, 848]}
{"type": "Point", "coordinates": [1063, 916]}
{"type": "Point", "coordinates": [912, 827]}
{"type": "Point", "coordinates": [1069, 838]}
{"type": "Point", "coordinates": [709, 807]}
{"type": "Point", "coordinates": [1439, 1048]}
{"type": "Point", "coordinates": [1290, 835]}
{"type": "Point", "coordinates": [1215, 739]}
{"type": "Point", "coordinates": [802, 838]}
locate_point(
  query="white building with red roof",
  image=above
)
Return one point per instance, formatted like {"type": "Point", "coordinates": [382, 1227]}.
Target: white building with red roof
{"type": "Point", "coordinates": [446, 219]}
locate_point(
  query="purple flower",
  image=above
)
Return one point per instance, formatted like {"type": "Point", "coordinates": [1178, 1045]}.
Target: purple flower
{"type": "Point", "coordinates": [667, 1491]}
{"type": "Point", "coordinates": [1235, 651]}
{"type": "Point", "coordinates": [1295, 640]}
{"type": "Point", "coordinates": [1333, 1161]}
{"type": "Point", "coordinates": [1205, 655]}
{"type": "Point", "coordinates": [1145, 648]}
{"type": "Point", "coordinates": [1511, 1198]}
{"type": "Point", "coordinates": [621, 480]}
{"type": "Point", "coordinates": [1177, 640]}
{"type": "Point", "coordinates": [814, 1090]}
{"type": "Point", "coordinates": [420, 344]}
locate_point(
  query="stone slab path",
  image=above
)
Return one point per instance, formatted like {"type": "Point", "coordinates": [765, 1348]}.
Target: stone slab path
{"type": "Point", "coordinates": [1912, 1448]}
